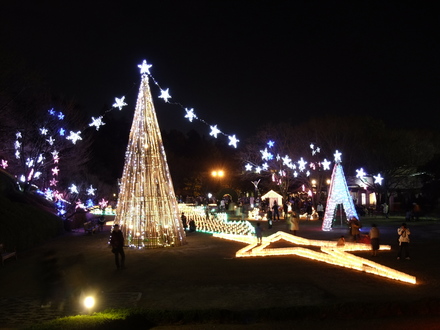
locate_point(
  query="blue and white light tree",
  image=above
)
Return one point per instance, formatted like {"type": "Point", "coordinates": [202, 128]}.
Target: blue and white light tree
{"type": "Point", "coordinates": [338, 194]}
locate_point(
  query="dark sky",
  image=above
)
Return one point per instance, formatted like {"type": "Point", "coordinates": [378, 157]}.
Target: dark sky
{"type": "Point", "coordinates": [239, 64]}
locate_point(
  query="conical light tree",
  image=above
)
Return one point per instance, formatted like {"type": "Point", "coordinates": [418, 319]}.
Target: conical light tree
{"type": "Point", "coordinates": [338, 194]}
{"type": "Point", "coordinates": [147, 210]}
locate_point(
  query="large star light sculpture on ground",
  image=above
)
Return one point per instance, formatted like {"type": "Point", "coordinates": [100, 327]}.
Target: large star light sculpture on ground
{"type": "Point", "coordinates": [329, 253]}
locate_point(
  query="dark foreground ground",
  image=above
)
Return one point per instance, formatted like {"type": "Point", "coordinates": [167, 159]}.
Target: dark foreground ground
{"type": "Point", "coordinates": [262, 293]}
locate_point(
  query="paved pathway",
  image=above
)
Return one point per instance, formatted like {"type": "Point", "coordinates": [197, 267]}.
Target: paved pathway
{"type": "Point", "coordinates": [204, 274]}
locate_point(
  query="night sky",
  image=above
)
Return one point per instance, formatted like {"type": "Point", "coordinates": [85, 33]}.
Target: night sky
{"type": "Point", "coordinates": [239, 64]}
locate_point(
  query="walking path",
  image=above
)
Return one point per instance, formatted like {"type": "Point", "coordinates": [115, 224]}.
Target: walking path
{"type": "Point", "coordinates": [204, 274]}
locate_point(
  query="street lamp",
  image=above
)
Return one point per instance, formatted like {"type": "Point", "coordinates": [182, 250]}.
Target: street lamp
{"type": "Point", "coordinates": [218, 174]}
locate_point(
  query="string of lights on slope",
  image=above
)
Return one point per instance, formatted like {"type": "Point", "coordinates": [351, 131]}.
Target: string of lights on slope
{"type": "Point", "coordinates": [75, 136]}
{"type": "Point", "coordinates": [119, 103]}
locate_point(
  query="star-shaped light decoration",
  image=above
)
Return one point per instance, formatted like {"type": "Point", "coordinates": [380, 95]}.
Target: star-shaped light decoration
{"type": "Point", "coordinates": [265, 154]}
{"type": "Point", "coordinates": [48, 193]}
{"type": "Point", "coordinates": [55, 170]}
{"type": "Point", "coordinates": [248, 167]}
{"type": "Point", "coordinates": [17, 145]}
{"type": "Point", "coordinates": [61, 116]}
{"type": "Point", "coordinates": [103, 203]}
{"type": "Point", "coordinates": [265, 166]}
{"type": "Point", "coordinates": [165, 95]}
{"type": "Point", "coordinates": [53, 182]}
{"type": "Point", "coordinates": [337, 155]}
{"type": "Point", "coordinates": [55, 156]}
{"type": "Point", "coordinates": [233, 141]}
{"type": "Point", "coordinates": [62, 131]}
{"type": "Point", "coordinates": [18, 135]}
{"type": "Point", "coordinates": [80, 204]}
{"type": "Point", "coordinates": [258, 170]}
{"type": "Point", "coordinates": [214, 131]}
{"type": "Point", "coordinates": [97, 122]}
{"type": "Point", "coordinates": [17, 154]}
{"type": "Point", "coordinates": [29, 162]}
{"type": "Point", "coordinates": [286, 160]}
{"type": "Point", "coordinates": [378, 178]}
{"type": "Point", "coordinates": [145, 68]}
{"type": "Point", "coordinates": [190, 114]}
{"type": "Point", "coordinates": [89, 203]}
{"type": "Point", "coordinates": [73, 189]}
{"type": "Point", "coordinates": [51, 112]}
{"type": "Point", "coordinates": [270, 143]}
{"type": "Point", "coordinates": [302, 164]}
{"type": "Point", "coordinates": [326, 164]}
{"type": "Point", "coordinates": [91, 191]}
{"type": "Point", "coordinates": [51, 141]}
{"type": "Point", "coordinates": [74, 136]}
{"type": "Point", "coordinates": [40, 158]}
{"type": "Point", "coordinates": [119, 103]}
{"type": "Point", "coordinates": [360, 173]}
{"type": "Point", "coordinates": [4, 163]}
{"type": "Point", "coordinates": [43, 131]}
{"type": "Point", "coordinates": [329, 253]}
{"type": "Point", "coordinates": [37, 174]}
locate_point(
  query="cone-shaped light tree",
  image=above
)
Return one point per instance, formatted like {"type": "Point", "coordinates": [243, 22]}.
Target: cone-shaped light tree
{"type": "Point", "coordinates": [338, 194]}
{"type": "Point", "coordinates": [147, 210]}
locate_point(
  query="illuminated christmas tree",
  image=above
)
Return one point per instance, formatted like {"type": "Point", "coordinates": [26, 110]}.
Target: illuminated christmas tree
{"type": "Point", "coordinates": [338, 194]}
{"type": "Point", "coordinates": [147, 208]}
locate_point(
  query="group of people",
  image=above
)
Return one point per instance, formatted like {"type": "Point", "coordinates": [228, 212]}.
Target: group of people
{"type": "Point", "coordinates": [185, 223]}
{"type": "Point", "coordinates": [374, 235]}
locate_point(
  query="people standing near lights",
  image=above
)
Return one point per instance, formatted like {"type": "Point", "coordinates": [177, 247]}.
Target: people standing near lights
{"type": "Point", "coordinates": [192, 225]}
{"type": "Point", "coordinates": [294, 223]}
{"type": "Point", "coordinates": [374, 239]}
{"type": "Point", "coordinates": [309, 210]}
{"type": "Point", "coordinates": [184, 222]}
{"type": "Point", "coordinates": [286, 207]}
{"type": "Point", "coordinates": [117, 244]}
{"type": "Point", "coordinates": [259, 233]}
{"type": "Point", "coordinates": [385, 209]}
{"type": "Point", "coordinates": [355, 229]}
{"type": "Point", "coordinates": [403, 232]}
{"type": "Point", "coordinates": [276, 211]}
{"type": "Point", "coordinates": [416, 211]}
{"type": "Point", "coordinates": [320, 210]}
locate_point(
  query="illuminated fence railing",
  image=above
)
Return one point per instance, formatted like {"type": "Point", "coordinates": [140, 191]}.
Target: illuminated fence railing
{"type": "Point", "coordinates": [218, 223]}
{"type": "Point", "coordinates": [330, 253]}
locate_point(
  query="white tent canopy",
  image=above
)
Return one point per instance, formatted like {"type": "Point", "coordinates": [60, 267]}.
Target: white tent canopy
{"type": "Point", "coordinates": [273, 196]}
